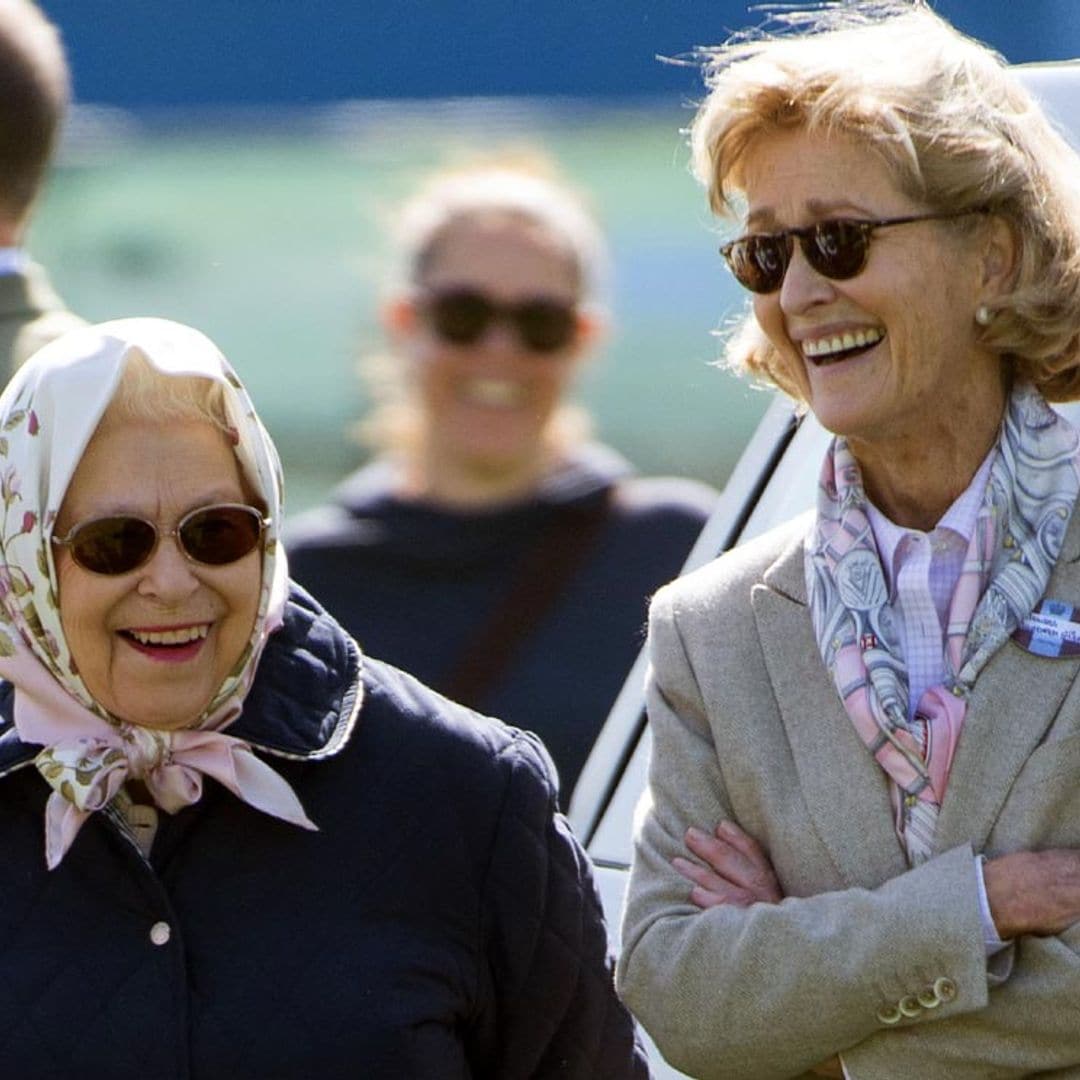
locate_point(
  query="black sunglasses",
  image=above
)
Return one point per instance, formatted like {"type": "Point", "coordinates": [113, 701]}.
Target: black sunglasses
{"type": "Point", "coordinates": [463, 316]}
{"type": "Point", "coordinates": [836, 248]}
{"type": "Point", "coordinates": [211, 535]}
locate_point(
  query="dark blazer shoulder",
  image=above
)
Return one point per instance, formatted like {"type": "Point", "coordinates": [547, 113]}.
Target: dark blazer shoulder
{"type": "Point", "coordinates": [672, 497]}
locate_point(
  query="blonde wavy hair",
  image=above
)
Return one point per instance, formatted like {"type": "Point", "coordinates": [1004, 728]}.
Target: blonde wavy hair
{"type": "Point", "coordinates": [954, 125]}
{"type": "Point", "coordinates": [146, 394]}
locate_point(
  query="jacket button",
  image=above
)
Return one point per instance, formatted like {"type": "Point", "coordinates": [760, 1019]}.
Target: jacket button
{"type": "Point", "coordinates": [928, 999]}
{"type": "Point", "coordinates": [160, 933]}
{"type": "Point", "coordinates": [909, 1006]}
{"type": "Point", "coordinates": [890, 1014]}
{"type": "Point", "coordinates": [944, 988]}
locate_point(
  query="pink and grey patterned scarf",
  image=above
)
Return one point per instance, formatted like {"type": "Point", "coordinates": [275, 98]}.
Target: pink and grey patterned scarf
{"type": "Point", "coordinates": [1018, 534]}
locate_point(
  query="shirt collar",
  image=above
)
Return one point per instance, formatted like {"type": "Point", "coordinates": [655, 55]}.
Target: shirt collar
{"type": "Point", "coordinates": [959, 518]}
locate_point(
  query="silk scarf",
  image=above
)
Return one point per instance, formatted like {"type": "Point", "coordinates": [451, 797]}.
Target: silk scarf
{"type": "Point", "coordinates": [48, 414]}
{"type": "Point", "coordinates": [1016, 541]}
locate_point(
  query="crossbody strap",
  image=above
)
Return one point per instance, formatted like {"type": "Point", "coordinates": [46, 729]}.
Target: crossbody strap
{"type": "Point", "coordinates": [540, 580]}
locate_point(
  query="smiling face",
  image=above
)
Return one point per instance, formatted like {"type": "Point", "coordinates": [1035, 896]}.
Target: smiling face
{"type": "Point", "coordinates": [890, 355]}
{"type": "Point", "coordinates": [154, 645]}
{"type": "Point", "coordinates": [486, 405]}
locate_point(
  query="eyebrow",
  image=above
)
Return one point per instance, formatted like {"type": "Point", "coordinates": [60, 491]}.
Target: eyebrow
{"type": "Point", "coordinates": [817, 209]}
{"type": "Point", "coordinates": [125, 509]}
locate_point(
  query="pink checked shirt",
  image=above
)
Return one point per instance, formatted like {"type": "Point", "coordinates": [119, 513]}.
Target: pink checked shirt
{"type": "Point", "coordinates": [921, 570]}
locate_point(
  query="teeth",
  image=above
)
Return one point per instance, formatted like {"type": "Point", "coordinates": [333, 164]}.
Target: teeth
{"type": "Point", "coordinates": [170, 637]}
{"type": "Point", "coordinates": [842, 342]}
{"type": "Point", "coordinates": [496, 392]}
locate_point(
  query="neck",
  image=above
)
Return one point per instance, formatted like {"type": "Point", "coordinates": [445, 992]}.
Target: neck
{"type": "Point", "coordinates": [472, 484]}
{"type": "Point", "coordinates": [915, 479]}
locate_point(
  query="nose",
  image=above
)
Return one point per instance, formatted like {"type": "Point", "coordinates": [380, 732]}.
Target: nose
{"type": "Point", "coordinates": [168, 576]}
{"type": "Point", "coordinates": [500, 334]}
{"type": "Point", "coordinates": [803, 286]}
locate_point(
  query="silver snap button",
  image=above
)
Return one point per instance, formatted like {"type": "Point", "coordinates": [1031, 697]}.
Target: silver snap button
{"type": "Point", "coordinates": [160, 933]}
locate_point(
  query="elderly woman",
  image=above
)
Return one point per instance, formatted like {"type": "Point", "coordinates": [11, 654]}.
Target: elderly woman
{"type": "Point", "coordinates": [233, 846]}
{"type": "Point", "coordinates": [862, 831]}
{"type": "Point", "coordinates": [491, 548]}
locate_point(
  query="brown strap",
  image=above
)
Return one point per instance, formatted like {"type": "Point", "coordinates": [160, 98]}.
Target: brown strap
{"type": "Point", "coordinates": [558, 552]}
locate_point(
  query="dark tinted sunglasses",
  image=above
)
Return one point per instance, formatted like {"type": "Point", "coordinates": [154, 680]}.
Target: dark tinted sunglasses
{"type": "Point", "coordinates": [463, 316]}
{"type": "Point", "coordinates": [210, 535]}
{"type": "Point", "coordinates": [836, 248]}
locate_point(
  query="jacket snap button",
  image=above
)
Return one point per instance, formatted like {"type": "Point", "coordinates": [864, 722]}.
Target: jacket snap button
{"type": "Point", "coordinates": [160, 933]}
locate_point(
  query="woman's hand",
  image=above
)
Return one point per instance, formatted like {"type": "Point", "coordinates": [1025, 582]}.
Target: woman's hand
{"type": "Point", "coordinates": [1033, 892]}
{"type": "Point", "coordinates": [737, 871]}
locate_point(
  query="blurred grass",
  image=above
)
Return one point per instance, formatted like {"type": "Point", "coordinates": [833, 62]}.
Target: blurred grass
{"type": "Point", "coordinates": [264, 231]}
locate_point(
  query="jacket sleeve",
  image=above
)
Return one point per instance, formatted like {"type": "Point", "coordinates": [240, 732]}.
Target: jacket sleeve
{"type": "Point", "coordinates": [1031, 1025]}
{"type": "Point", "coordinates": [772, 990]}
{"type": "Point", "coordinates": [551, 966]}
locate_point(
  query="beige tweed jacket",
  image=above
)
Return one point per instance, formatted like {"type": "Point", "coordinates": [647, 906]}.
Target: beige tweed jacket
{"type": "Point", "coordinates": [865, 956]}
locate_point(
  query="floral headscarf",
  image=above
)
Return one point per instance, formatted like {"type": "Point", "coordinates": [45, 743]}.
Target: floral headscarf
{"type": "Point", "coordinates": [48, 414]}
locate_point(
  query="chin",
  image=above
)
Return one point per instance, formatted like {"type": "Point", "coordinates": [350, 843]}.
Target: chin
{"type": "Point", "coordinates": [167, 718]}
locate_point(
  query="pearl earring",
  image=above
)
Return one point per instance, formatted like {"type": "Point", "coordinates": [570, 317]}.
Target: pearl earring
{"type": "Point", "coordinates": [983, 315]}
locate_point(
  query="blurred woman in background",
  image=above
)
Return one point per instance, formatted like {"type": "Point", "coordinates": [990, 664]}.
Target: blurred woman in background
{"type": "Point", "coordinates": [491, 548]}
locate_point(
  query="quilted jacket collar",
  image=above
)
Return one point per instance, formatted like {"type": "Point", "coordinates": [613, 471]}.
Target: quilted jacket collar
{"type": "Point", "coordinates": [303, 704]}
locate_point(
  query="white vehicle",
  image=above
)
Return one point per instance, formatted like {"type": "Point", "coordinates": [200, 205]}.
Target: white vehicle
{"type": "Point", "coordinates": [773, 481]}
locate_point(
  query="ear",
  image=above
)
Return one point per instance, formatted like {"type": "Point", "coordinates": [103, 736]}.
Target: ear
{"type": "Point", "coordinates": [1000, 254]}
{"type": "Point", "coordinates": [399, 316]}
{"type": "Point", "coordinates": [592, 326]}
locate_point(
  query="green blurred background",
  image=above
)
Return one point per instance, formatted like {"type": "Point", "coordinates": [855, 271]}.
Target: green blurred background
{"type": "Point", "coordinates": [230, 163]}
{"type": "Point", "coordinates": [266, 230]}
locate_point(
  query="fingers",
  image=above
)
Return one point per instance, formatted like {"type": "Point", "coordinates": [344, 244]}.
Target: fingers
{"type": "Point", "coordinates": [710, 889]}
{"type": "Point", "coordinates": [832, 1068]}
{"type": "Point", "coordinates": [736, 870]}
{"type": "Point", "coordinates": [1033, 892]}
{"type": "Point", "coordinates": [737, 858]}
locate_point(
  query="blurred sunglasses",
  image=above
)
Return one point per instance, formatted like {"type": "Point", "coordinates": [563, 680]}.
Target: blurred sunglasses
{"type": "Point", "coordinates": [210, 535]}
{"type": "Point", "coordinates": [836, 248]}
{"type": "Point", "coordinates": [464, 316]}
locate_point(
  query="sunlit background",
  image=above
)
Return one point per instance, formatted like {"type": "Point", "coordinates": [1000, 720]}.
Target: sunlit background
{"type": "Point", "coordinates": [230, 162]}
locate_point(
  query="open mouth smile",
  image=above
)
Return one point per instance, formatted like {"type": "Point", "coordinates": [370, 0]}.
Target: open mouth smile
{"type": "Point", "coordinates": [175, 643]}
{"type": "Point", "coordinates": [494, 393]}
{"type": "Point", "coordinates": [838, 347]}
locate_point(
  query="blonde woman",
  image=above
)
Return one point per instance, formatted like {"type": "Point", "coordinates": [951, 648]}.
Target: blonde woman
{"type": "Point", "coordinates": [491, 548]}
{"type": "Point", "coordinates": [860, 851]}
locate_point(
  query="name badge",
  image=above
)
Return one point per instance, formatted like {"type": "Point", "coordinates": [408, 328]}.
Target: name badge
{"type": "Point", "coordinates": [1050, 630]}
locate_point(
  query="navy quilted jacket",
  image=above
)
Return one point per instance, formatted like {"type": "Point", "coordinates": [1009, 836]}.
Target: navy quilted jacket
{"type": "Point", "coordinates": [442, 922]}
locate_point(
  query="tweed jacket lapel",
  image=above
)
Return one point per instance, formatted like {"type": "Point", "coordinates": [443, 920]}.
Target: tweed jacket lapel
{"type": "Point", "coordinates": [846, 791]}
{"type": "Point", "coordinates": [1016, 699]}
